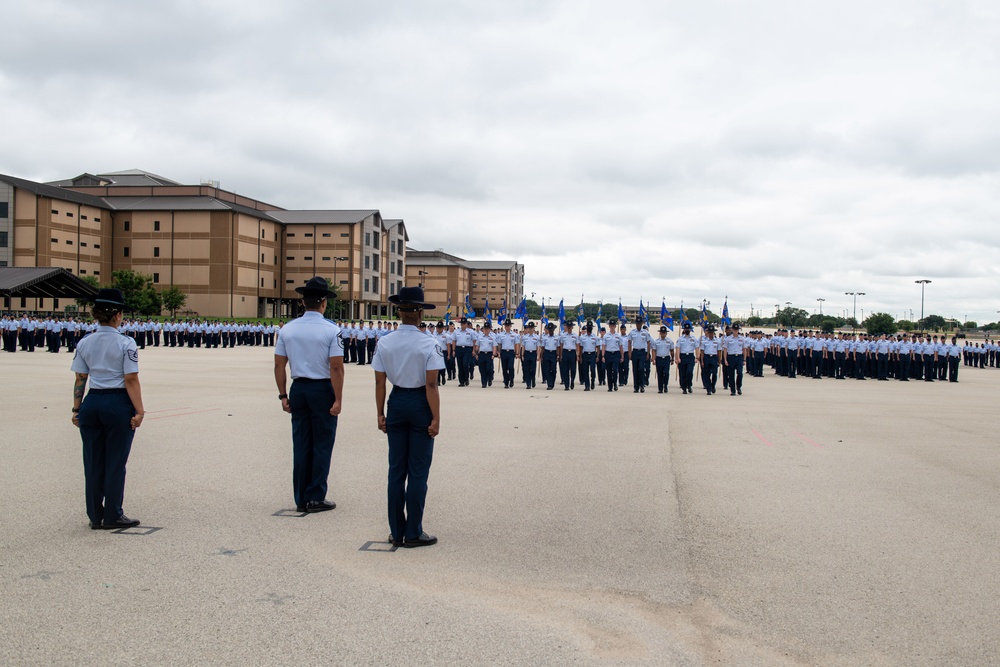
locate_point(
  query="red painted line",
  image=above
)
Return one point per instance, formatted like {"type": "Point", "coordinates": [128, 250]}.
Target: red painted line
{"type": "Point", "coordinates": [170, 410]}
{"type": "Point", "coordinates": [762, 438]}
{"type": "Point", "coordinates": [812, 442]}
{"type": "Point", "coordinates": [181, 414]}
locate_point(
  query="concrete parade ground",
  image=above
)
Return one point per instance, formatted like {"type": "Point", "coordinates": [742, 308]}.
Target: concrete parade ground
{"type": "Point", "coordinates": [807, 522]}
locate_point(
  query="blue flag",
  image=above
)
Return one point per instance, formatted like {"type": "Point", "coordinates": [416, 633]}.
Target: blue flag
{"type": "Point", "coordinates": [562, 313]}
{"type": "Point", "coordinates": [643, 315]}
{"type": "Point", "coordinates": [469, 311]}
{"type": "Point", "coordinates": [522, 311]}
{"type": "Point", "coordinates": [545, 316]}
{"type": "Point", "coordinates": [704, 315]}
{"type": "Point", "coordinates": [579, 312]}
{"type": "Point", "coordinates": [725, 313]}
{"type": "Point", "coordinates": [600, 308]}
{"type": "Point", "coordinates": [502, 313]}
{"type": "Point", "coordinates": [447, 313]}
{"type": "Point", "coordinates": [665, 318]}
{"type": "Point", "coordinates": [621, 312]}
{"type": "Point", "coordinates": [683, 315]}
{"type": "Point", "coordinates": [487, 315]}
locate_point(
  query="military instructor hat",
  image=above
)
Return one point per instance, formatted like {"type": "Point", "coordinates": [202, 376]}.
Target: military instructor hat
{"type": "Point", "coordinates": [663, 330]}
{"type": "Point", "coordinates": [507, 322]}
{"type": "Point", "coordinates": [316, 286]}
{"type": "Point", "coordinates": [529, 325]}
{"type": "Point", "coordinates": [550, 325]}
{"type": "Point", "coordinates": [411, 296]}
{"type": "Point", "coordinates": [110, 296]}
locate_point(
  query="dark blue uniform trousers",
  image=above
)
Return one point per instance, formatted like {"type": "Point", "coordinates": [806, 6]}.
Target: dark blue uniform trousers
{"type": "Point", "coordinates": [611, 360]}
{"type": "Point", "coordinates": [549, 368]}
{"type": "Point", "coordinates": [567, 368]}
{"type": "Point", "coordinates": [529, 362]}
{"type": "Point", "coordinates": [410, 453]}
{"type": "Point", "coordinates": [638, 369]}
{"type": "Point", "coordinates": [107, 434]}
{"type": "Point", "coordinates": [313, 432]}
{"type": "Point", "coordinates": [464, 359]}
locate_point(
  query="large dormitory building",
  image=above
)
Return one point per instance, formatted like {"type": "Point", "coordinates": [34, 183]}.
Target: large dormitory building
{"type": "Point", "coordinates": [235, 257]}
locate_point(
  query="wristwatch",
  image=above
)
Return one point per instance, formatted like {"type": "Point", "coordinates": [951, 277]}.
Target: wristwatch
{"type": "Point", "coordinates": [281, 396]}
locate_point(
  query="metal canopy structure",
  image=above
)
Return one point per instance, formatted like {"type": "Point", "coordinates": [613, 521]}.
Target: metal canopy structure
{"type": "Point", "coordinates": [43, 283]}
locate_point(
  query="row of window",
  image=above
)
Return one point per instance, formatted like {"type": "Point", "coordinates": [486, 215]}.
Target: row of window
{"type": "Point", "coordinates": [83, 244]}
{"type": "Point", "coordinates": [69, 214]}
{"type": "Point", "coordinates": [326, 235]}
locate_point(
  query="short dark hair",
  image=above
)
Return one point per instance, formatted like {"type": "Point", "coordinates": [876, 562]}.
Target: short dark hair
{"type": "Point", "coordinates": [312, 302]}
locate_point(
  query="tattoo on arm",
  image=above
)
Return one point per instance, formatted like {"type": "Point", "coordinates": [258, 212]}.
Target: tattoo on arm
{"type": "Point", "coordinates": [79, 385]}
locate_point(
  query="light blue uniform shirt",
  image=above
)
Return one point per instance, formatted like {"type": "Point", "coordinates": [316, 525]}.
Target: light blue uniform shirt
{"type": "Point", "coordinates": [309, 342]}
{"type": "Point", "coordinates": [107, 356]}
{"type": "Point", "coordinates": [406, 356]}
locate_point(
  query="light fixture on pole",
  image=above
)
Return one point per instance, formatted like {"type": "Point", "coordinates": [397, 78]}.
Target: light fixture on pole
{"type": "Point", "coordinates": [821, 300]}
{"type": "Point", "coordinates": [923, 283]}
{"type": "Point", "coordinates": [855, 295]}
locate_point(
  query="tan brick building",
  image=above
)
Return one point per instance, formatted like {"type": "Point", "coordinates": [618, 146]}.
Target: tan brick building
{"type": "Point", "coordinates": [232, 255]}
{"type": "Point", "coordinates": [447, 277]}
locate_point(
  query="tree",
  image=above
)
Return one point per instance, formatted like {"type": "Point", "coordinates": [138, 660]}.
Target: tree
{"type": "Point", "coordinates": [754, 321]}
{"type": "Point", "coordinates": [880, 323]}
{"type": "Point", "coordinates": [173, 299]}
{"type": "Point", "coordinates": [333, 303]}
{"type": "Point", "coordinates": [137, 288]}
{"type": "Point", "coordinates": [906, 325]}
{"type": "Point", "coordinates": [851, 322]}
{"type": "Point", "coordinates": [828, 325]}
{"type": "Point", "coordinates": [935, 322]}
{"type": "Point", "coordinates": [970, 325]}
{"type": "Point", "coordinates": [792, 317]}
{"type": "Point", "coordinates": [93, 282]}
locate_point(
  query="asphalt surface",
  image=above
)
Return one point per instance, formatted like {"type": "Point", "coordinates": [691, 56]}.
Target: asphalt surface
{"type": "Point", "coordinates": [805, 522]}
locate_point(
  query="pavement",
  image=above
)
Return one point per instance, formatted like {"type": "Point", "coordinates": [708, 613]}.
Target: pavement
{"type": "Point", "coordinates": [807, 522]}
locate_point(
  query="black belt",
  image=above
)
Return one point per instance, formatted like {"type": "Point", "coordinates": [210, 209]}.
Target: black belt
{"type": "Point", "coordinates": [409, 390]}
{"type": "Point", "coordinates": [310, 380]}
{"type": "Point", "coordinates": [122, 390]}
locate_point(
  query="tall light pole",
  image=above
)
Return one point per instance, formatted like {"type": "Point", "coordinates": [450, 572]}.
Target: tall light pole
{"type": "Point", "coordinates": [923, 283]}
{"type": "Point", "coordinates": [855, 295]}
{"type": "Point", "coordinates": [821, 300]}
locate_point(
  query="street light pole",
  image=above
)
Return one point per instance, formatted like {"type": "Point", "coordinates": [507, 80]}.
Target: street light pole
{"type": "Point", "coordinates": [821, 300]}
{"type": "Point", "coordinates": [337, 283]}
{"type": "Point", "coordinates": [923, 283]}
{"type": "Point", "coordinates": [855, 295]}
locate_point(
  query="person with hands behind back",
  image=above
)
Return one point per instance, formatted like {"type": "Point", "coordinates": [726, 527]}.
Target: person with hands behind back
{"type": "Point", "coordinates": [110, 412]}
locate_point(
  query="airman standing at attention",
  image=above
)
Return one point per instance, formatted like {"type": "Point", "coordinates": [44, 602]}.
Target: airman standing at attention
{"type": "Point", "coordinates": [444, 342]}
{"type": "Point", "coordinates": [411, 361]}
{"type": "Point", "coordinates": [708, 359]}
{"type": "Point", "coordinates": [954, 354]}
{"type": "Point", "coordinates": [528, 354]}
{"type": "Point", "coordinates": [312, 346]}
{"type": "Point", "coordinates": [623, 367]}
{"type": "Point", "coordinates": [663, 354]}
{"type": "Point", "coordinates": [449, 359]}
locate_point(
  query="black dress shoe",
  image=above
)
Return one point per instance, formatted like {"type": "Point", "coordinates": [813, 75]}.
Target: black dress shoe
{"type": "Point", "coordinates": [122, 522]}
{"type": "Point", "coordinates": [96, 526]}
{"type": "Point", "coordinates": [424, 540]}
{"type": "Point", "coordinates": [395, 543]}
{"type": "Point", "coordinates": [320, 506]}
{"type": "Point", "coordinates": [300, 508]}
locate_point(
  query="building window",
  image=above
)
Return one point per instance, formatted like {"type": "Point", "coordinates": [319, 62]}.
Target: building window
{"type": "Point", "coordinates": [55, 240]}
{"type": "Point", "coordinates": [83, 244]}
{"type": "Point", "coordinates": [374, 284]}
{"type": "Point", "coordinates": [289, 282]}
{"type": "Point", "coordinates": [392, 246]}
{"type": "Point", "coordinates": [97, 246]}
{"type": "Point", "coordinates": [125, 250]}
{"type": "Point", "coordinates": [289, 259]}
{"type": "Point", "coordinates": [261, 282]}
{"type": "Point", "coordinates": [69, 242]}
{"type": "Point", "coordinates": [392, 268]}
{"type": "Point", "coordinates": [262, 233]}
{"type": "Point", "coordinates": [55, 212]}
{"type": "Point", "coordinates": [344, 235]}
{"type": "Point", "coordinates": [275, 260]}
{"type": "Point", "coordinates": [275, 283]}
{"type": "Point", "coordinates": [308, 234]}
{"type": "Point", "coordinates": [392, 288]}
{"type": "Point", "coordinates": [375, 262]}
{"type": "Point", "coordinates": [3, 239]}
{"type": "Point", "coordinates": [261, 258]}
{"type": "Point", "coordinates": [368, 238]}
{"type": "Point", "coordinates": [4, 209]}
{"type": "Point", "coordinates": [399, 267]}
{"type": "Point", "coordinates": [308, 258]}
{"type": "Point", "coordinates": [68, 214]}
{"type": "Point", "coordinates": [368, 262]}
{"type": "Point", "coordinates": [291, 234]}
{"type": "Point", "coordinates": [276, 236]}
{"type": "Point", "coordinates": [83, 272]}
{"type": "Point", "coordinates": [375, 241]}
{"type": "Point", "coordinates": [399, 247]}
{"type": "Point", "coordinates": [326, 259]}
{"type": "Point", "coordinates": [83, 217]}
{"type": "Point", "coordinates": [156, 225]}
{"type": "Point", "coordinates": [97, 273]}
{"type": "Point", "coordinates": [126, 225]}
{"type": "Point", "coordinates": [156, 277]}
{"type": "Point", "coordinates": [156, 251]}
{"type": "Point", "coordinates": [97, 219]}
{"type": "Point", "coordinates": [366, 285]}
{"type": "Point", "coordinates": [326, 235]}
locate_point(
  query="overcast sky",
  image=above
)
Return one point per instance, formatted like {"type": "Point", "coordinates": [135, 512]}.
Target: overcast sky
{"type": "Point", "coordinates": [771, 151]}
